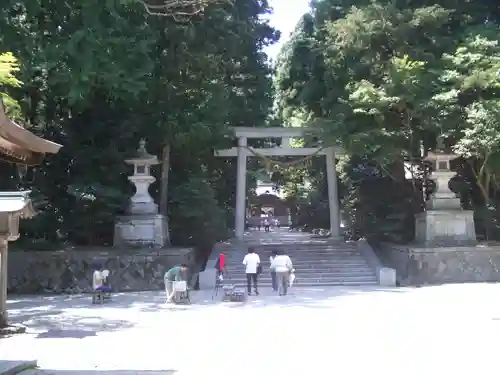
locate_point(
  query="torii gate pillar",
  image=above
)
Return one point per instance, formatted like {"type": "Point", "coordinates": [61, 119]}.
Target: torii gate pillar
{"type": "Point", "coordinates": [333, 197]}
{"type": "Point", "coordinates": [241, 188]}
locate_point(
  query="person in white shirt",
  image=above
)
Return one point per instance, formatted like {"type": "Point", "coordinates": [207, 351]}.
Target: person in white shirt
{"type": "Point", "coordinates": [267, 225]}
{"type": "Point", "coordinates": [282, 265]}
{"type": "Point", "coordinates": [274, 280]}
{"type": "Point", "coordinates": [99, 281]}
{"type": "Point", "coordinates": [277, 223]}
{"type": "Point", "coordinates": [252, 267]}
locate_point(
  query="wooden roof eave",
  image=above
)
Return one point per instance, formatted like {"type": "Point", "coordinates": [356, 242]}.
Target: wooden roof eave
{"type": "Point", "coordinates": [19, 145]}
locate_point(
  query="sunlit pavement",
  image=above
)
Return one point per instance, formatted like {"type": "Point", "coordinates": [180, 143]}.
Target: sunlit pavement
{"type": "Point", "coordinates": [451, 329]}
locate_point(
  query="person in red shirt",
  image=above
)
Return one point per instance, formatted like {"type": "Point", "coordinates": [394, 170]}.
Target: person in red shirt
{"type": "Point", "coordinates": [221, 263]}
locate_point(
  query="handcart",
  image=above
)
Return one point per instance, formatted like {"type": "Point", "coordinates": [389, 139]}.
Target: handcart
{"type": "Point", "coordinates": [181, 293]}
{"type": "Point", "coordinates": [233, 294]}
{"type": "Point", "coordinates": [230, 293]}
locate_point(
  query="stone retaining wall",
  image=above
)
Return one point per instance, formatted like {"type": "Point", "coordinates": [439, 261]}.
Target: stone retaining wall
{"type": "Point", "coordinates": [70, 271]}
{"type": "Point", "coordinates": [426, 265]}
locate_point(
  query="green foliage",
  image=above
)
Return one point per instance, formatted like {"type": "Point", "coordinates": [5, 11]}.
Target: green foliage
{"type": "Point", "coordinates": [98, 76]}
{"type": "Point", "coordinates": [8, 67]}
{"type": "Point", "coordinates": [482, 138]}
{"type": "Point", "coordinates": [384, 80]}
{"type": "Point", "coordinates": [200, 220]}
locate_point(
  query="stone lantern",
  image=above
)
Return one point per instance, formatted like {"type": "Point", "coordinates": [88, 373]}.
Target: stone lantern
{"type": "Point", "coordinates": [444, 223]}
{"type": "Point", "coordinates": [141, 202]}
{"type": "Point", "coordinates": [442, 198]}
{"type": "Point", "coordinates": [13, 206]}
{"type": "Point", "coordinates": [142, 226]}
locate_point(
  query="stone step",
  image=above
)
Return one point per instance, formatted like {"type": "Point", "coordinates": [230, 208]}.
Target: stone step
{"type": "Point", "coordinates": [326, 254]}
{"type": "Point", "coordinates": [310, 263]}
{"type": "Point", "coordinates": [302, 256]}
{"type": "Point", "coordinates": [326, 268]}
{"type": "Point", "coordinates": [302, 279]}
{"type": "Point", "coordinates": [319, 269]}
{"type": "Point", "coordinates": [317, 263]}
{"type": "Point", "coordinates": [304, 244]}
{"type": "Point", "coordinates": [309, 250]}
{"type": "Point", "coordinates": [323, 276]}
{"type": "Point", "coordinates": [312, 245]}
{"type": "Point", "coordinates": [306, 250]}
{"type": "Point", "coordinates": [307, 283]}
{"type": "Point", "coordinates": [242, 275]}
{"type": "Point", "coordinates": [282, 242]}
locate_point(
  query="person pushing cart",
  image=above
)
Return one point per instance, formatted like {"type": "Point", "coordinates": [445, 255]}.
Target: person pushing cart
{"type": "Point", "coordinates": [173, 275]}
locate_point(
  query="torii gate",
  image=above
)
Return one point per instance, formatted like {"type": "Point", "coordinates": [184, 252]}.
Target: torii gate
{"type": "Point", "coordinates": [242, 152]}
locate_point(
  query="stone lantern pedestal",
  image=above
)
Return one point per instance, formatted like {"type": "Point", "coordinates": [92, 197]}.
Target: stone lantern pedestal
{"type": "Point", "coordinates": [13, 206]}
{"type": "Point", "coordinates": [444, 223]}
{"type": "Point", "coordinates": [142, 226]}
{"type": "Point", "coordinates": [445, 248]}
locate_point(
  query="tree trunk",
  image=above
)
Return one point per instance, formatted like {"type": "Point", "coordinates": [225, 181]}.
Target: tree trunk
{"type": "Point", "coordinates": [165, 168]}
{"type": "Point", "coordinates": [3, 282]}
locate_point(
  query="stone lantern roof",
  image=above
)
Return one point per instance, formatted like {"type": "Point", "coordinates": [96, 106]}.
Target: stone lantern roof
{"type": "Point", "coordinates": [20, 146]}
{"type": "Point", "coordinates": [16, 203]}
{"type": "Point", "coordinates": [441, 158]}
{"type": "Point", "coordinates": [142, 157]}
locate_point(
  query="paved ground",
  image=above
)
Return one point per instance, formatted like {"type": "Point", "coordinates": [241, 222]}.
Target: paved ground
{"type": "Point", "coordinates": [450, 329]}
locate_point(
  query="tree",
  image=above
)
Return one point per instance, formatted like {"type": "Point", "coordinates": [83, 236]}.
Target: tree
{"type": "Point", "coordinates": [480, 145]}
{"type": "Point", "coordinates": [351, 71]}
{"type": "Point", "coordinates": [8, 80]}
{"type": "Point", "coordinates": [469, 115]}
{"type": "Point", "coordinates": [111, 75]}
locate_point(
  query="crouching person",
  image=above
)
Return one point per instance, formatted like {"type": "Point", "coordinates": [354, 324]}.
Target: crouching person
{"type": "Point", "coordinates": [100, 281]}
{"type": "Point", "coordinates": [177, 273]}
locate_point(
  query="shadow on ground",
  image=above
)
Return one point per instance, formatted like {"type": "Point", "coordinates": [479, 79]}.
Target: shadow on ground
{"type": "Point", "coordinates": [95, 372]}
{"type": "Point", "coordinates": [74, 316]}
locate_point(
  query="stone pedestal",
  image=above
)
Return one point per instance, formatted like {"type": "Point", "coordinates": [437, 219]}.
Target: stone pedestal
{"type": "Point", "coordinates": [445, 248]}
{"type": "Point", "coordinates": [445, 228]}
{"type": "Point", "coordinates": [141, 230]}
{"type": "Point", "coordinates": [420, 265]}
{"type": "Point", "coordinates": [143, 226]}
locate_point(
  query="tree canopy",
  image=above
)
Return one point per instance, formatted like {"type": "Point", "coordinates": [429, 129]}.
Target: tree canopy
{"type": "Point", "coordinates": [387, 80]}
{"type": "Point", "coordinates": [98, 76]}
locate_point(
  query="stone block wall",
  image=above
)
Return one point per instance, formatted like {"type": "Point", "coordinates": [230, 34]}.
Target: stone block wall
{"type": "Point", "coordinates": [418, 265]}
{"type": "Point", "coordinates": [70, 271]}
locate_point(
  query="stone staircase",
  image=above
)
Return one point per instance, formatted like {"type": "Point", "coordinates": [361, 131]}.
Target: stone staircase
{"type": "Point", "coordinates": [316, 264]}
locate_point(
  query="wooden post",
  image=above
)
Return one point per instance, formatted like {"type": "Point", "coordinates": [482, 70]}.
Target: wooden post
{"type": "Point", "coordinates": [165, 169]}
{"type": "Point", "coordinates": [3, 282]}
